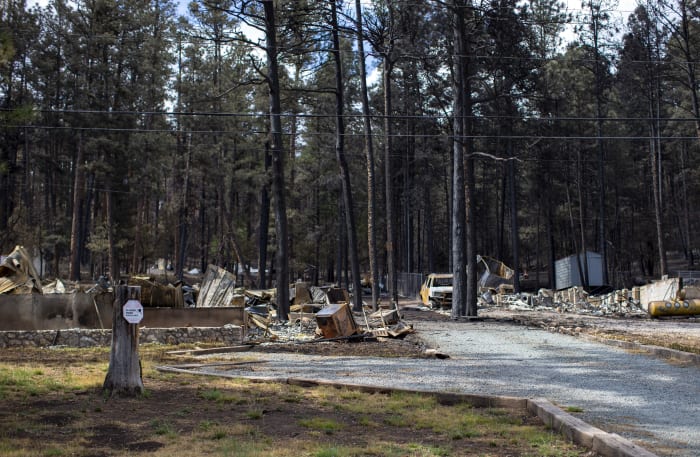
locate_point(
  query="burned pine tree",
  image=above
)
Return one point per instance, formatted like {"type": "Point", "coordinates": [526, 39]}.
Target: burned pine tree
{"type": "Point", "coordinates": [124, 373]}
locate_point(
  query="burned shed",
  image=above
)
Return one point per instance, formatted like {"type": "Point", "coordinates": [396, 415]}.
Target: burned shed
{"type": "Point", "coordinates": [579, 270]}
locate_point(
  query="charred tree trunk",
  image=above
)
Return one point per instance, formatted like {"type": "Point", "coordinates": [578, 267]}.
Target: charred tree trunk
{"type": "Point", "coordinates": [75, 238]}
{"type": "Point", "coordinates": [369, 152]}
{"type": "Point", "coordinates": [112, 253]}
{"type": "Point", "coordinates": [181, 243]}
{"type": "Point", "coordinates": [429, 232]}
{"type": "Point", "coordinates": [583, 268]}
{"type": "Point", "coordinates": [181, 254]}
{"type": "Point", "coordinates": [264, 223]}
{"type": "Point", "coordinates": [515, 228]}
{"type": "Point", "coordinates": [551, 253]}
{"type": "Point", "coordinates": [342, 163]}
{"type": "Point", "coordinates": [388, 183]}
{"type": "Point", "coordinates": [686, 208]}
{"type": "Point", "coordinates": [655, 159]}
{"type": "Point", "coordinates": [124, 373]}
{"type": "Point", "coordinates": [278, 187]}
{"type": "Point", "coordinates": [459, 260]}
{"type": "Point", "coordinates": [470, 179]}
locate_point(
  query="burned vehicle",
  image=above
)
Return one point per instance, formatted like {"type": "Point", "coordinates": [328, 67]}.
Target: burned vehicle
{"type": "Point", "coordinates": [436, 291]}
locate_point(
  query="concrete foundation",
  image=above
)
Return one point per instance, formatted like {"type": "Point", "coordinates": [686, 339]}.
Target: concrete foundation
{"type": "Point", "coordinates": [227, 335]}
{"type": "Point", "coordinates": [86, 311]}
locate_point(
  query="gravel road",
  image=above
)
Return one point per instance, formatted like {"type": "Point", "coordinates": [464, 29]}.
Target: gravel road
{"type": "Point", "coordinates": [645, 399]}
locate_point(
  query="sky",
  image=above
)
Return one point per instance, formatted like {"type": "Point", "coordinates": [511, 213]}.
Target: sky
{"type": "Point", "coordinates": [622, 12]}
{"type": "Point", "coordinates": [625, 7]}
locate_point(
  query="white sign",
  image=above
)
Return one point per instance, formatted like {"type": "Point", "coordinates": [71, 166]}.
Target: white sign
{"type": "Point", "coordinates": [132, 311]}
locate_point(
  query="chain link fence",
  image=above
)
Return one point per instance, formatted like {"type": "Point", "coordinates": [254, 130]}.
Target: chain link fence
{"type": "Point", "coordinates": [409, 284]}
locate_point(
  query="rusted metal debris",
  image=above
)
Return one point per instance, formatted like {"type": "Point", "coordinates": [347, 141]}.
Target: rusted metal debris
{"type": "Point", "coordinates": [494, 274]}
{"type": "Point", "coordinates": [18, 275]}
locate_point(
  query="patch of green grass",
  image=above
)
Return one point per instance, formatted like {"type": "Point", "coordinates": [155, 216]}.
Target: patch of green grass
{"type": "Point", "coordinates": [244, 431]}
{"type": "Point", "coordinates": [327, 426]}
{"type": "Point", "coordinates": [328, 452]}
{"type": "Point", "coordinates": [255, 414]}
{"type": "Point", "coordinates": [547, 444]}
{"type": "Point", "coordinates": [29, 382]}
{"type": "Point", "coordinates": [219, 434]}
{"type": "Point", "coordinates": [207, 425]}
{"type": "Point", "coordinates": [218, 396]}
{"type": "Point", "coordinates": [163, 428]}
{"type": "Point", "coordinates": [574, 409]}
{"type": "Point", "coordinates": [233, 447]}
{"type": "Point", "coordinates": [294, 398]}
{"type": "Point", "coordinates": [396, 420]}
{"type": "Point", "coordinates": [211, 395]}
{"type": "Point", "coordinates": [380, 449]}
{"type": "Point", "coordinates": [366, 421]}
{"type": "Point", "coordinates": [351, 395]}
{"type": "Point", "coordinates": [184, 412]}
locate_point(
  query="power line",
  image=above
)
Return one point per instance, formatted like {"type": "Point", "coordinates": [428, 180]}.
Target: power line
{"type": "Point", "coordinates": [524, 118]}
{"type": "Point", "coordinates": [357, 135]}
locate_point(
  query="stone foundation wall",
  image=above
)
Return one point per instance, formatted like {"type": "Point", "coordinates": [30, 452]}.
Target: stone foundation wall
{"type": "Point", "coordinates": [228, 335]}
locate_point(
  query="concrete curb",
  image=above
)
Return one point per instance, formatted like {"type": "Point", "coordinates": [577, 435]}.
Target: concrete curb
{"type": "Point", "coordinates": [561, 422]}
{"type": "Point", "coordinates": [580, 432]}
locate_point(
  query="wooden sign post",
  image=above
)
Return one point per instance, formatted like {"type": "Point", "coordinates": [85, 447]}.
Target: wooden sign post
{"type": "Point", "coordinates": [124, 373]}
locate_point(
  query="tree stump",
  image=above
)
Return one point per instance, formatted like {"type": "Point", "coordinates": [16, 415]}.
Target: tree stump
{"type": "Point", "coordinates": [124, 373]}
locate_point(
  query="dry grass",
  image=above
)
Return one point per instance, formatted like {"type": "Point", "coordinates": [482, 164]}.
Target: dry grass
{"type": "Point", "coordinates": [51, 404]}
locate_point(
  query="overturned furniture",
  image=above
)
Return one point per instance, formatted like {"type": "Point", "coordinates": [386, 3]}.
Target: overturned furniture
{"type": "Point", "coordinates": [336, 320]}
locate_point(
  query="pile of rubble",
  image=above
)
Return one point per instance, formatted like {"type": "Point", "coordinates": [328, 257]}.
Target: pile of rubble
{"type": "Point", "coordinates": [665, 297]}
{"type": "Point", "coordinates": [574, 300]}
{"type": "Point", "coordinates": [318, 313]}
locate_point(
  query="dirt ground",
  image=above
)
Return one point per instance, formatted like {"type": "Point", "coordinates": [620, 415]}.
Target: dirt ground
{"type": "Point", "coordinates": [196, 416]}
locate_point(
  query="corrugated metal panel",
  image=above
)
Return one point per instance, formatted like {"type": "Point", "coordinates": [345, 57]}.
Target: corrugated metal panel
{"type": "Point", "coordinates": [562, 273]}
{"type": "Point", "coordinates": [595, 269]}
{"type": "Point", "coordinates": [567, 273]}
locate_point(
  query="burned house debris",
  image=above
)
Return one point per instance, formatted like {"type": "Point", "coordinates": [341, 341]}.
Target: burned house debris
{"type": "Point", "coordinates": [317, 314]}
{"type": "Point", "coordinates": [494, 275]}
{"type": "Point", "coordinates": [665, 297]}
{"type": "Point", "coordinates": [18, 275]}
